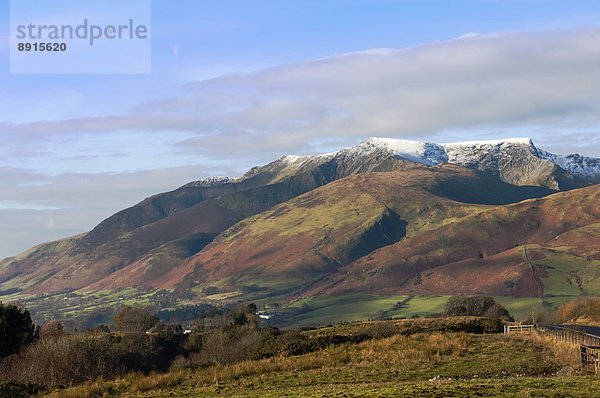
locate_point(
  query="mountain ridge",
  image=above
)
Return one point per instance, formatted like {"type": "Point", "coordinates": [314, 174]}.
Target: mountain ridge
{"type": "Point", "coordinates": [464, 153]}
{"type": "Point", "coordinates": [163, 241]}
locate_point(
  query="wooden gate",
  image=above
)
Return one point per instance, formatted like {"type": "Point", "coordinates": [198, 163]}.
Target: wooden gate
{"type": "Point", "coordinates": [590, 357]}
{"type": "Point", "coordinates": [508, 329]}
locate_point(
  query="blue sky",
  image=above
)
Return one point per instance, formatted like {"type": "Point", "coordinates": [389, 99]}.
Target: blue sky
{"type": "Point", "coordinates": [239, 83]}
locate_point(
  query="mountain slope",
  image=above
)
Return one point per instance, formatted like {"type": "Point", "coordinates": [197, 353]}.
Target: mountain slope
{"type": "Point", "coordinates": [183, 221]}
{"type": "Point", "coordinates": [319, 232]}
{"type": "Point", "coordinates": [487, 252]}
{"type": "Point", "coordinates": [158, 241]}
{"type": "Point", "coordinates": [516, 161]}
{"type": "Point", "coordinates": [433, 245]}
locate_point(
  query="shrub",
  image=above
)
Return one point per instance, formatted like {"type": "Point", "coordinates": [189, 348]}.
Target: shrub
{"type": "Point", "coordinates": [52, 329]}
{"type": "Point", "coordinates": [18, 390]}
{"type": "Point", "coordinates": [230, 345]}
{"type": "Point", "coordinates": [585, 308]}
{"type": "Point", "coordinates": [143, 353]}
{"type": "Point", "coordinates": [16, 329]}
{"type": "Point", "coordinates": [193, 342]}
{"type": "Point", "coordinates": [69, 359]}
{"type": "Point", "coordinates": [65, 360]}
{"type": "Point", "coordinates": [186, 313]}
{"type": "Point", "coordinates": [92, 319]}
{"type": "Point", "coordinates": [244, 314]}
{"type": "Point", "coordinates": [134, 319]}
{"type": "Point", "coordinates": [476, 306]}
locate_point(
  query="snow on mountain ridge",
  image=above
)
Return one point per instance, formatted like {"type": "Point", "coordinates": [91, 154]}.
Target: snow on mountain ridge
{"type": "Point", "coordinates": [525, 141]}
{"type": "Point", "coordinates": [291, 159]}
{"type": "Point", "coordinates": [427, 153]}
{"type": "Point", "coordinates": [479, 154]}
{"type": "Point", "coordinates": [469, 152]}
{"type": "Point", "coordinates": [464, 153]}
{"type": "Point", "coordinates": [417, 151]}
{"type": "Point", "coordinates": [576, 164]}
{"type": "Point", "coordinates": [210, 181]}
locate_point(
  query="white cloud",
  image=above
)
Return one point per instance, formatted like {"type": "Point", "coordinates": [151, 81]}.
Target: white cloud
{"type": "Point", "coordinates": [476, 81]}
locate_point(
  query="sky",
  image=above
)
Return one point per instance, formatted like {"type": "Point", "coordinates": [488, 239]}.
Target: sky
{"type": "Point", "coordinates": [240, 83]}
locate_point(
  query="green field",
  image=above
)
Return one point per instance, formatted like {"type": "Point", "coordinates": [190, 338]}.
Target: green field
{"type": "Point", "coordinates": [355, 307]}
{"type": "Point", "coordinates": [523, 307]}
{"type": "Point", "coordinates": [326, 310]}
{"type": "Point", "coordinates": [68, 306]}
{"type": "Point", "coordinates": [564, 273]}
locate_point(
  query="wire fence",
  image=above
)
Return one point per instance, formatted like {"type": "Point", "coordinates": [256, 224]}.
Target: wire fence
{"type": "Point", "coordinates": [571, 335]}
{"type": "Point", "coordinates": [589, 345]}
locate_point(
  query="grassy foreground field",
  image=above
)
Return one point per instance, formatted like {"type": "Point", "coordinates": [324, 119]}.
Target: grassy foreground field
{"type": "Point", "coordinates": [420, 364]}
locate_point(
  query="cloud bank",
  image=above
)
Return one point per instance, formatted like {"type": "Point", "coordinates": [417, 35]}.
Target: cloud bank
{"type": "Point", "coordinates": [470, 82]}
{"type": "Point", "coordinates": [36, 208]}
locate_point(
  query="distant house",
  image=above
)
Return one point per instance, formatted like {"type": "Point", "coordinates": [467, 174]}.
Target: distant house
{"type": "Point", "coordinates": [263, 315]}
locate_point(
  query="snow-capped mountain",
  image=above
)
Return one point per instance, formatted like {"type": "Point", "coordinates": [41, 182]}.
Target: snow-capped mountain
{"type": "Point", "coordinates": [515, 160]}
{"type": "Point", "coordinates": [578, 165]}
{"type": "Point", "coordinates": [148, 243]}
{"type": "Point", "coordinates": [210, 181]}
{"type": "Point", "coordinates": [470, 153]}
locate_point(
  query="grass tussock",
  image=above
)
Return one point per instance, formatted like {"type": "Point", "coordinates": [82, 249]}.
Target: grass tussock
{"type": "Point", "coordinates": [563, 352]}
{"type": "Point", "coordinates": [96, 389]}
{"type": "Point", "coordinates": [156, 381]}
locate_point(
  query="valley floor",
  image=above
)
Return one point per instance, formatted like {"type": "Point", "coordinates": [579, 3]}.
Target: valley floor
{"type": "Point", "coordinates": [317, 311]}
{"type": "Point", "coordinates": [433, 364]}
